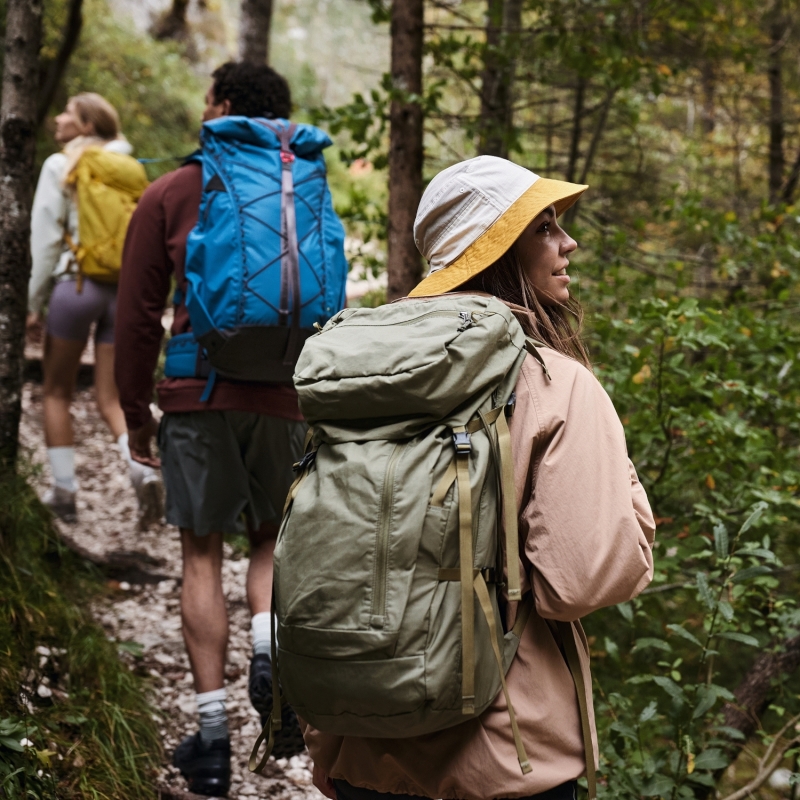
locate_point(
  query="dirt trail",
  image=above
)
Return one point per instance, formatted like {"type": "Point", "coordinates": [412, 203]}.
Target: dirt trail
{"type": "Point", "coordinates": [142, 609]}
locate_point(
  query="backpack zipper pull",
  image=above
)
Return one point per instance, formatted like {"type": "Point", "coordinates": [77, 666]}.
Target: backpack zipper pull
{"type": "Point", "coordinates": [466, 320]}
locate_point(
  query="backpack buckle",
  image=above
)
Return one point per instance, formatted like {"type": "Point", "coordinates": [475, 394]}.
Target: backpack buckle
{"type": "Point", "coordinates": [461, 442]}
{"type": "Point", "coordinates": [511, 405]}
{"type": "Point", "coordinates": [305, 461]}
{"type": "Point", "coordinates": [287, 156]}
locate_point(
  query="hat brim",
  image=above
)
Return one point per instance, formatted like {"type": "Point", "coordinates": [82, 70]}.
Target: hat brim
{"type": "Point", "coordinates": [495, 241]}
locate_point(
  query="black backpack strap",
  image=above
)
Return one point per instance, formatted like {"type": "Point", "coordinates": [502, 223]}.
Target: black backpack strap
{"type": "Point", "coordinates": [290, 256]}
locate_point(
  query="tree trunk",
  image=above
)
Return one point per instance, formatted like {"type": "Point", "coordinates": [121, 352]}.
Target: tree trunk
{"type": "Point", "coordinates": [709, 113]}
{"type": "Point", "coordinates": [404, 266]}
{"type": "Point", "coordinates": [775, 105]}
{"type": "Point", "coordinates": [17, 147]}
{"type": "Point", "coordinates": [504, 20]}
{"type": "Point", "coordinates": [172, 25]}
{"type": "Point", "coordinates": [52, 72]}
{"type": "Point", "coordinates": [575, 140]}
{"type": "Point", "coordinates": [758, 687]}
{"type": "Point", "coordinates": [254, 27]}
{"type": "Point", "coordinates": [791, 182]}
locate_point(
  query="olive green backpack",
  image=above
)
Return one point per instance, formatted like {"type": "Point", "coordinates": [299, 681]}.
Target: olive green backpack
{"type": "Point", "coordinates": [390, 556]}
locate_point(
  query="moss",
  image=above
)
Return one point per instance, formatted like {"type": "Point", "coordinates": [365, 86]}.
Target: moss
{"type": "Point", "coordinates": [75, 722]}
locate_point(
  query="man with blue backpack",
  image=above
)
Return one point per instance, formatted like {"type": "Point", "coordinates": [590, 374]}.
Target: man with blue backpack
{"type": "Point", "coordinates": [246, 233]}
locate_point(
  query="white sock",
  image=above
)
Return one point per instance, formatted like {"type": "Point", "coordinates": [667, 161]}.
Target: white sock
{"type": "Point", "coordinates": [125, 451]}
{"type": "Point", "coordinates": [62, 465]}
{"type": "Point", "coordinates": [213, 716]}
{"type": "Point", "coordinates": [261, 627]}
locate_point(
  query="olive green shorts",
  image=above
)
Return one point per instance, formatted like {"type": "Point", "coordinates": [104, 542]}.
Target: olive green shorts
{"type": "Point", "coordinates": [226, 469]}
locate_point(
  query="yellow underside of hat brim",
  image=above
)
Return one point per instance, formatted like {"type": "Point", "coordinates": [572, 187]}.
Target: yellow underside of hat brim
{"type": "Point", "coordinates": [488, 247]}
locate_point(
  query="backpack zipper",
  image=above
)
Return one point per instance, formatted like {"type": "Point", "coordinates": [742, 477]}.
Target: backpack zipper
{"type": "Point", "coordinates": [378, 613]}
{"type": "Point", "coordinates": [455, 315]}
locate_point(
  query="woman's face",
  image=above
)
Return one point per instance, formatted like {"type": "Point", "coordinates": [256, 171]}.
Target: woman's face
{"type": "Point", "coordinates": [69, 125]}
{"type": "Point", "coordinates": [543, 248]}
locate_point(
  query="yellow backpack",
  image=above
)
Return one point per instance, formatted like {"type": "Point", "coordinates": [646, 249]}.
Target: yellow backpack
{"type": "Point", "coordinates": [107, 187]}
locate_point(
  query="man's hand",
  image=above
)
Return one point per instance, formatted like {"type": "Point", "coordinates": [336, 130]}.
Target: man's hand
{"type": "Point", "coordinates": [140, 442]}
{"type": "Point", "coordinates": [323, 782]}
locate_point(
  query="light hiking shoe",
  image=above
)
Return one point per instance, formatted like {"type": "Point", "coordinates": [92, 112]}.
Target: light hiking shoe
{"type": "Point", "coordinates": [149, 492]}
{"type": "Point", "coordinates": [206, 766]}
{"type": "Point", "coordinates": [288, 740]}
{"type": "Point", "coordinates": [61, 503]}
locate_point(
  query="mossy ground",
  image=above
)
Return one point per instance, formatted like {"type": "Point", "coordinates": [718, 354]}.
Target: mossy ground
{"type": "Point", "coordinates": [74, 721]}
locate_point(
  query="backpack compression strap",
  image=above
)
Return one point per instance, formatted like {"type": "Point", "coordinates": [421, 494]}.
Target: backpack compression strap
{"type": "Point", "coordinates": [290, 256]}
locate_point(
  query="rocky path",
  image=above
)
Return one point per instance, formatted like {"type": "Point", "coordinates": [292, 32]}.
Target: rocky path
{"type": "Point", "coordinates": [141, 610]}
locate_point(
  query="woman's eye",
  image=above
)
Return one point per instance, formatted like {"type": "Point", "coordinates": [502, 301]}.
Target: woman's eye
{"type": "Point", "coordinates": [545, 228]}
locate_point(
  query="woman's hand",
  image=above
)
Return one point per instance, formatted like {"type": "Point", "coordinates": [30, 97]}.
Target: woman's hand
{"type": "Point", "coordinates": [33, 326]}
{"type": "Point", "coordinates": [323, 782]}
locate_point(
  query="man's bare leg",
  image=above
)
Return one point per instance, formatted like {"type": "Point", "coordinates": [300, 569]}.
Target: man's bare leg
{"type": "Point", "coordinates": [259, 575]}
{"type": "Point", "coordinates": [205, 618]}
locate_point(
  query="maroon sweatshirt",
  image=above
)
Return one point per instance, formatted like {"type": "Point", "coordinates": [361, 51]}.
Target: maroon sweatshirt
{"type": "Point", "coordinates": [155, 252]}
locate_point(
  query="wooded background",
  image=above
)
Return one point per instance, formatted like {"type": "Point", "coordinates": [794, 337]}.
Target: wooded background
{"type": "Point", "coordinates": [683, 118]}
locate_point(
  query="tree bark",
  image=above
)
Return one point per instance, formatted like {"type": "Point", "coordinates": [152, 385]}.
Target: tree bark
{"type": "Point", "coordinates": [254, 27]}
{"type": "Point", "coordinates": [404, 266]}
{"type": "Point", "coordinates": [17, 148]}
{"type": "Point", "coordinates": [173, 24]}
{"type": "Point", "coordinates": [774, 73]}
{"type": "Point", "coordinates": [791, 182]}
{"type": "Point", "coordinates": [52, 73]}
{"type": "Point", "coordinates": [709, 113]}
{"type": "Point", "coordinates": [503, 23]}
{"type": "Point", "coordinates": [575, 140]}
{"type": "Point", "coordinates": [756, 689]}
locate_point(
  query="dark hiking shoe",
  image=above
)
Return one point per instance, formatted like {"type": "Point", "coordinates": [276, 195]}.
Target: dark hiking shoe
{"type": "Point", "coordinates": [62, 504]}
{"type": "Point", "coordinates": [288, 740]}
{"type": "Point", "coordinates": [206, 767]}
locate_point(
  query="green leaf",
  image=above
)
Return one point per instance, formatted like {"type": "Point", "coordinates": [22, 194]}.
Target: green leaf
{"type": "Point", "coordinates": [626, 610]}
{"type": "Point", "coordinates": [713, 758]}
{"type": "Point", "coordinates": [679, 630]}
{"type": "Point", "coordinates": [704, 591]}
{"type": "Point", "coordinates": [721, 540]}
{"type": "Point", "coordinates": [758, 510]}
{"type": "Point", "coordinates": [735, 636]}
{"type": "Point", "coordinates": [649, 712]}
{"type": "Point", "coordinates": [726, 609]}
{"type": "Point", "coordinates": [11, 744]}
{"type": "Point", "coordinates": [706, 697]}
{"type": "Point", "coordinates": [751, 572]}
{"type": "Point", "coordinates": [670, 687]}
{"type": "Point", "coordinates": [647, 641]}
{"type": "Point", "coordinates": [658, 786]}
{"type": "Point", "coordinates": [625, 730]}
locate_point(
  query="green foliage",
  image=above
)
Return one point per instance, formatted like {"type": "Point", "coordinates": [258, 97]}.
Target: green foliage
{"type": "Point", "coordinates": [158, 96]}
{"type": "Point", "coordinates": [74, 721]}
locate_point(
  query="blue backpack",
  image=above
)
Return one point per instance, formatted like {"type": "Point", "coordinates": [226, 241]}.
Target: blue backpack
{"type": "Point", "coordinates": [265, 262]}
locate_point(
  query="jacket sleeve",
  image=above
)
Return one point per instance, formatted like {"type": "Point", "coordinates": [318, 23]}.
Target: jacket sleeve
{"type": "Point", "coordinates": [48, 223]}
{"type": "Point", "coordinates": [143, 287]}
{"type": "Point", "coordinates": [587, 525]}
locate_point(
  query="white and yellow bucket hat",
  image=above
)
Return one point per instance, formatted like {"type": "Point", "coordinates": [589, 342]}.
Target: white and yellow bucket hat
{"type": "Point", "coordinates": [472, 212]}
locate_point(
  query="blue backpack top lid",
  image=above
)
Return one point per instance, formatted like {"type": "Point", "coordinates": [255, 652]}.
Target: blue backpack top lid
{"type": "Point", "coordinates": [265, 261]}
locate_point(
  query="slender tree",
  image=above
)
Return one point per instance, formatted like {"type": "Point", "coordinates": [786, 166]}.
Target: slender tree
{"type": "Point", "coordinates": [503, 31]}
{"type": "Point", "coordinates": [254, 28]}
{"type": "Point", "coordinates": [17, 146]}
{"type": "Point", "coordinates": [173, 24]}
{"type": "Point", "coordinates": [776, 124]}
{"type": "Point", "coordinates": [51, 72]}
{"type": "Point", "coordinates": [404, 266]}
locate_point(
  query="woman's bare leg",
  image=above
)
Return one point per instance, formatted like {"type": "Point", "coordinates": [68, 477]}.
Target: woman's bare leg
{"type": "Point", "coordinates": [106, 389]}
{"type": "Point", "coordinates": [62, 358]}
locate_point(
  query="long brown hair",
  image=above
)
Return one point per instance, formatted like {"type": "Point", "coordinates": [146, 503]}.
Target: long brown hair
{"type": "Point", "coordinates": [557, 325]}
{"type": "Point", "coordinates": [95, 109]}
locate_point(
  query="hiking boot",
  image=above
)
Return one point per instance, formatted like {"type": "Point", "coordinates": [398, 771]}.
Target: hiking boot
{"type": "Point", "coordinates": [149, 492]}
{"type": "Point", "coordinates": [206, 766]}
{"type": "Point", "coordinates": [61, 503]}
{"type": "Point", "coordinates": [288, 740]}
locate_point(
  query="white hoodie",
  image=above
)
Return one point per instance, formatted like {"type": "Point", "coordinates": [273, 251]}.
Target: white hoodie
{"type": "Point", "coordinates": [54, 212]}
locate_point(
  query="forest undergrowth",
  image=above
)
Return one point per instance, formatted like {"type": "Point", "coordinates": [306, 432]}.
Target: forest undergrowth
{"type": "Point", "coordinates": [74, 720]}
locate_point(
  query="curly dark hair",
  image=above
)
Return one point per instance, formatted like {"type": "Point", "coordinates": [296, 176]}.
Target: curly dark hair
{"type": "Point", "coordinates": [254, 90]}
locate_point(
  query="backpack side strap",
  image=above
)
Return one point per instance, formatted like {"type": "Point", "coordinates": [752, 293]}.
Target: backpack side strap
{"type": "Point", "coordinates": [567, 633]}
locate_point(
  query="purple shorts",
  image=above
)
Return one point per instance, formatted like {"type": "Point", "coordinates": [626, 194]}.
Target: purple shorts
{"type": "Point", "coordinates": [70, 315]}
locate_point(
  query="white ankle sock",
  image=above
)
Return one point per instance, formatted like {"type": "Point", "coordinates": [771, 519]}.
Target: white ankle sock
{"type": "Point", "coordinates": [261, 627]}
{"type": "Point", "coordinates": [62, 465]}
{"type": "Point", "coordinates": [124, 449]}
{"type": "Point", "coordinates": [213, 716]}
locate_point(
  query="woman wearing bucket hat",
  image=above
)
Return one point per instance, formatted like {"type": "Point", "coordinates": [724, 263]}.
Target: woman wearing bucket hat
{"type": "Point", "coordinates": [585, 526]}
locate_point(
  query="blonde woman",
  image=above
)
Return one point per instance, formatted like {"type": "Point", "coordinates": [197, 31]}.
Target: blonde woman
{"type": "Point", "coordinates": [88, 120]}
